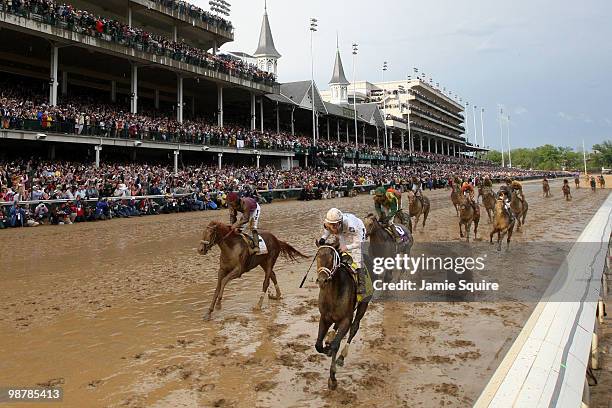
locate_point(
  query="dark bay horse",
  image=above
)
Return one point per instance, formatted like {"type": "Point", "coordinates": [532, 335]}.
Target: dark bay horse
{"type": "Point", "coordinates": [382, 244]}
{"type": "Point", "coordinates": [337, 305]}
{"type": "Point", "coordinates": [236, 259]}
{"type": "Point", "coordinates": [488, 201]}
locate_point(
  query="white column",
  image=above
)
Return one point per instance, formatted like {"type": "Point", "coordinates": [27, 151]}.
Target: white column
{"type": "Point", "coordinates": [377, 138]}
{"type": "Point", "coordinates": [390, 138]}
{"type": "Point", "coordinates": [363, 128]}
{"type": "Point", "coordinates": [65, 83]}
{"type": "Point", "coordinates": [306, 160]}
{"type": "Point", "coordinates": [129, 16]}
{"type": "Point", "coordinates": [134, 89]}
{"type": "Point", "coordinates": [402, 138]}
{"type": "Point", "coordinates": [220, 160]}
{"type": "Point", "coordinates": [113, 91]}
{"type": "Point", "coordinates": [436, 146]}
{"type": "Point", "coordinates": [252, 111]}
{"type": "Point", "coordinates": [175, 33]}
{"type": "Point", "coordinates": [98, 148]}
{"type": "Point", "coordinates": [428, 144]}
{"type": "Point", "coordinates": [292, 122]}
{"type": "Point", "coordinates": [53, 76]}
{"type": "Point", "coordinates": [215, 47]}
{"type": "Point", "coordinates": [219, 105]}
{"type": "Point", "coordinates": [179, 99]}
{"type": "Point", "coordinates": [156, 98]}
{"type": "Point", "coordinates": [277, 118]}
{"type": "Point", "coordinates": [347, 133]}
{"type": "Point", "coordinates": [328, 128]}
{"type": "Point", "coordinates": [261, 102]}
{"type": "Point", "coordinates": [176, 155]}
{"type": "Point", "coordinates": [257, 159]}
{"type": "Point", "coordinates": [421, 144]}
{"type": "Point", "coordinates": [338, 129]}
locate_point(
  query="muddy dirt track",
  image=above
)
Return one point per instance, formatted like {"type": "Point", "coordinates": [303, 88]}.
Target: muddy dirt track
{"type": "Point", "coordinates": [112, 312]}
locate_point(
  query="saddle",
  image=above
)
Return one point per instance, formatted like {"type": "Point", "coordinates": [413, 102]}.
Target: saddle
{"type": "Point", "coordinates": [263, 249]}
{"type": "Point", "coordinates": [368, 284]}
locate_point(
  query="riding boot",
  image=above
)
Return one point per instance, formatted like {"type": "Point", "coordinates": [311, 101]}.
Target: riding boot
{"type": "Point", "coordinates": [361, 281]}
{"type": "Point", "coordinates": [255, 248]}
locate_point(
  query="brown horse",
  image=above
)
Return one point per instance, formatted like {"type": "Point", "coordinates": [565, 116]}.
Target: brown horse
{"type": "Point", "coordinates": [236, 259]}
{"type": "Point", "coordinates": [456, 197]}
{"type": "Point", "coordinates": [337, 304]}
{"type": "Point", "coordinates": [488, 200]}
{"type": "Point", "coordinates": [567, 194]}
{"type": "Point", "coordinates": [519, 208]}
{"type": "Point", "coordinates": [502, 225]}
{"type": "Point", "coordinates": [545, 189]}
{"type": "Point", "coordinates": [602, 181]}
{"type": "Point", "coordinates": [577, 182]}
{"type": "Point", "coordinates": [416, 208]}
{"type": "Point", "coordinates": [468, 215]}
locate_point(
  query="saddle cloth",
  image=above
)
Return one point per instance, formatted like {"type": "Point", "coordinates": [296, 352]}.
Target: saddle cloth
{"type": "Point", "coordinates": [396, 232]}
{"type": "Point", "coordinates": [369, 287]}
{"type": "Point", "coordinates": [263, 249]}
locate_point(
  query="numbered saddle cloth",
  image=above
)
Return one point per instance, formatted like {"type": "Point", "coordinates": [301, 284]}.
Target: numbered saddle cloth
{"type": "Point", "coordinates": [397, 233]}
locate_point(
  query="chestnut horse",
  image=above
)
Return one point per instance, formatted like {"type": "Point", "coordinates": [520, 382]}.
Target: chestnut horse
{"type": "Point", "coordinates": [236, 259]}
{"type": "Point", "coordinates": [456, 197]}
{"type": "Point", "coordinates": [468, 214]}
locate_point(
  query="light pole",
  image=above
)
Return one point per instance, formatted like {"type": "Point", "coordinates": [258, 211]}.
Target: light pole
{"type": "Point", "coordinates": [384, 69]}
{"type": "Point", "coordinates": [410, 142]}
{"type": "Point", "coordinates": [313, 28]}
{"type": "Point", "coordinates": [501, 133]}
{"type": "Point", "coordinates": [355, 48]}
{"type": "Point", "coordinates": [474, 117]}
{"type": "Point", "coordinates": [467, 126]}
{"type": "Point", "coordinates": [482, 127]}
{"type": "Point", "coordinates": [509, 148]}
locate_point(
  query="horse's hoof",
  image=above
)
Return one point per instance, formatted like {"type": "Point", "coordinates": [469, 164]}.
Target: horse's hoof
{"type": "Point", "coordinates": [218, 306]}
{"type": "Point", "coordinates": [207, 316]}
{"type": "Point", "coordinates": [340, 361]}
{"type": "Point", "coordinates": [332, 384]}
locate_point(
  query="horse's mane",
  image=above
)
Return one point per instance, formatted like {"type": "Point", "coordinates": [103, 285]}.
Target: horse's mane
{"type": "Point", "coordinates": [220, 227]}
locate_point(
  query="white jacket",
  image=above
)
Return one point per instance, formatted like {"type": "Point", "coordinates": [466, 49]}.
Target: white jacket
{"type": "Point", "coordinates": [353, 234]}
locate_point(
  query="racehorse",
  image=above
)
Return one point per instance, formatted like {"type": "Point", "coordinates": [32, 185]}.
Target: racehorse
{"type": "Point", "coordinates": [602, 182]}
{"type": "Point", "coordinates": [545, 189]}
{"type": "Point", "coordinates": [337, 304]}
{"type": "Point", "coordinates": [502, 224]}
{"type": "Point", "coordinates": [468, 215]}
{"type": "Point", "coordinates": [577, 182]}
{"type": "Point", "coordinates": [236, 259]}
{"type": "Point", "coordinates": [488, 200]}
{"type": "Point", "coordinates": [566, 192]}
{"type": "Point", "coordinates": [416, 208]}
{"type": "Point", "coordinates": [519, 209]}
{"type": "Point", "coordinates": [383, 244]}
{"type": "Point", "coordinates": [456, 197]}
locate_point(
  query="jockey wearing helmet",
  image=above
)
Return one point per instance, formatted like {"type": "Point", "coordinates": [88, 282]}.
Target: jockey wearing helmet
{"type": "Point", "coordinates": [387, 203]}
{"type": "Point", "coordinates": [468, 189]}
{"type": "Point", "coordinates": [351, 234]}
{"type": "Point", "coordinates": [416, 188]}
{"type": "Point", "coordinates": [516, 187]}
{"type": "Point", "coordinates": [250, 217]}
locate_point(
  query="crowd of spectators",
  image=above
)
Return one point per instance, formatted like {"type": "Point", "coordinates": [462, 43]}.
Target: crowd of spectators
{"type": "Point", "coordinates": [194, 11]}
{"type": "Point", "coordinates": [109, 29]}
{"type": "Point", "coordinates": [89, 193]}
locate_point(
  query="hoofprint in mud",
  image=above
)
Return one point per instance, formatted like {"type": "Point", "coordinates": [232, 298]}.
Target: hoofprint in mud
{"type": "Point", "coordinates": [117, 322]}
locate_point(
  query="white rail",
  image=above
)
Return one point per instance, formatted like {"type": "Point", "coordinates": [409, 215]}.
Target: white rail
{"type": "Point", "coordinates": [546, 365]}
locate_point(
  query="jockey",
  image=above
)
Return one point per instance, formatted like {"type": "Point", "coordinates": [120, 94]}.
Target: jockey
{"type": "Point", "coordinates": [469, 189]}
{"type": "Point", "coordinates": [516, 187]}
{"type": "Point", "coordinates": [387, 203]}
{"type": "Point", "coordinates": [351, 233]}
{"type": "Point", "coordinates": [250, 217]}
{"type": "Point", "coordinates": [505, 192]}
{"type": "Point", "coordinates": [416, 188]}
{"type": "Point", "coordinates": [487, 182]}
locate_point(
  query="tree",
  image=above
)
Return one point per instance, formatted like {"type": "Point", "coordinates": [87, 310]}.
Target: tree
{"type": "Point", "coordinates": [602, 154]}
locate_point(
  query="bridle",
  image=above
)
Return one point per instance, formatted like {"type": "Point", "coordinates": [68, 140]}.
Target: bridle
{"type": "Point", "coordinates": [212, 242]}
{"type": "Point", "coordinates": [336, 263]}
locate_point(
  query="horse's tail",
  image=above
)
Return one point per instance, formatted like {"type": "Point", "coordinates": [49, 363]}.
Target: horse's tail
{"type": "Point", "coordinates": [289, 252]}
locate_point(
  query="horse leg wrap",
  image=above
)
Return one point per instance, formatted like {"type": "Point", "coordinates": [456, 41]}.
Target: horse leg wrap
{"type": "Point", "coordinates": [331, 335]}
{"type": "Point", "coordinates": [345, 350]}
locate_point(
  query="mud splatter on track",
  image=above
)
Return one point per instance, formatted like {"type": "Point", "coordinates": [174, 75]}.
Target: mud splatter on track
{"type": "Point", "coordinates": [112, 312]}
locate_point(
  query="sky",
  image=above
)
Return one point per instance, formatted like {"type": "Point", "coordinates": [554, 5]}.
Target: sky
{"type": "Point", "coordinates": [547, 63]}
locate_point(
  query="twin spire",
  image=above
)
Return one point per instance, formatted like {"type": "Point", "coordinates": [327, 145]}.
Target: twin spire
{"type": "Point", "coordinates": [266, 46]}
